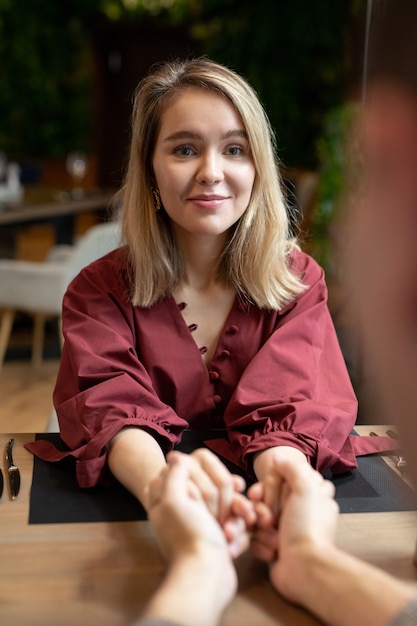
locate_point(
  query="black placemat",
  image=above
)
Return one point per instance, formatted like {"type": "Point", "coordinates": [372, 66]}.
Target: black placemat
{"type": "Point", "coordinates": [56, 498]}
{"type": "Point", "coordinates": [373, 488]}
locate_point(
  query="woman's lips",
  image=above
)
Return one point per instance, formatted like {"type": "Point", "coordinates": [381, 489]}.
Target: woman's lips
{"type": "Point", "coordinates": [208, 202]}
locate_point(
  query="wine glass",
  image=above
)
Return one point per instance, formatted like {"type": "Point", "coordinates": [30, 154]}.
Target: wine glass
{"type": "Point", "coordinates": [76, 165]}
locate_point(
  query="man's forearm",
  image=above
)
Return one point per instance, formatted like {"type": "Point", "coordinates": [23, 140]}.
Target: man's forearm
{"type": "Point", "coordinates": [189, 594]}
{"type": "Point", "coordinates": [344, 591]}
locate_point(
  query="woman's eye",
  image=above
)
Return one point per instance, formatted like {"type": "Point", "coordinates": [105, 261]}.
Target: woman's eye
{"type": "Point", "coordinates": [234, 150]}
{"type": "Point", "coordinates": [184, 151]}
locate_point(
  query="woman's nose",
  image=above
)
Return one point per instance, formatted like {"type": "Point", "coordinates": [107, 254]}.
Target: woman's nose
{"type": "Point", "coordinates": [210, 169]}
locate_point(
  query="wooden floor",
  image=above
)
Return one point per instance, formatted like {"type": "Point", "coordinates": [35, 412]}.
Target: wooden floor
{"type": "Point", "coordinates": [26, 396]}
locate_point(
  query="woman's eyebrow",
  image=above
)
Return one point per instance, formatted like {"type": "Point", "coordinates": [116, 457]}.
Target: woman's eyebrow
{"type": "Point", "coordinates": [189, 134]}
{"type": "Point", "coordinates": [183, 134]}
{"type": "Point", "coordinates": [238, 132]}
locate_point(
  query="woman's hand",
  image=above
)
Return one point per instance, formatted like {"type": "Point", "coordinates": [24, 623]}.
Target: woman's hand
{"type": "Point", "coordinates": [221, 491]}
{"type": "Point", "coordinates": [306, 522]}
{"type": "Point", "coordinates": [216, 484]}
{"type": "Point", "coordinates": [175, 499]}
{"type": "Point", "coordinates": [201, 579]}
{"type": "Point", "coordinates": [268, 496]}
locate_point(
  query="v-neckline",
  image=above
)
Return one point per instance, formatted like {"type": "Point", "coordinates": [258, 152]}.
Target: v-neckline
{"type": "Point", "coordinates": [188, 331]}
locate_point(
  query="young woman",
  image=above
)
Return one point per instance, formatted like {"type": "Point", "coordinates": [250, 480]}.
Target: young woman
{"type": "Point", "coordinates": [210, 317]}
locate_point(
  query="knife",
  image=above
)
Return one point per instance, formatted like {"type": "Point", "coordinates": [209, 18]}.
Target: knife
{"type": "Point", "coordinates": [400, 461]}
{"type": "Point", "coordinates": [12, 470]}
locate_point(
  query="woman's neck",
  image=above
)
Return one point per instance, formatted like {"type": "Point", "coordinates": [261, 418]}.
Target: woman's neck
{"type": "Point", "coordinates": [201, 256]}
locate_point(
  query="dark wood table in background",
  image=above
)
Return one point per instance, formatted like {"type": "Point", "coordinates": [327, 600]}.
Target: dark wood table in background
{"type": "Point", "coordinates": [58, 208]}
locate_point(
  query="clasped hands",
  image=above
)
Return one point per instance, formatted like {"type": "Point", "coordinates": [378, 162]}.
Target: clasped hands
{"type": "Point", "coordinates": [196, 505]}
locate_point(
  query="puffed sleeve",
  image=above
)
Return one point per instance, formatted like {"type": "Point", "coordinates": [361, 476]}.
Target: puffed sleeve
{"type": "Point", "coordinates": [102, 386]}
{"type": "Point", "coordinates": [296, 390]}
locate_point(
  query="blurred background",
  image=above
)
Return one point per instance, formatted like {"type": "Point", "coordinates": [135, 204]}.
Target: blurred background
{"type": "Point", "coordinates": [69, 70]}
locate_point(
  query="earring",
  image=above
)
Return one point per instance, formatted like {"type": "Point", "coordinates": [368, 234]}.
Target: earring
{"type": "Point", "coordinates": [156, 198]}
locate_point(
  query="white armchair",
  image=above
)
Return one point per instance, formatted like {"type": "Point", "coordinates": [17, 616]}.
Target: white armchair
{"type": "Point", "coordinates": [37, 288]}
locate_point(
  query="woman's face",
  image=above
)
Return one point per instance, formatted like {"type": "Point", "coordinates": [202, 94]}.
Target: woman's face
{"type": "Point", "coordinates": [202, 164]}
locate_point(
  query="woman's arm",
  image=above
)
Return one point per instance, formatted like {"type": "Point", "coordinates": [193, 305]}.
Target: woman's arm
{"type": "Point", "coordinates": [264, 467]}
{"type": "Point", "coordinates": [135, 459]}
{"type": "Point", "coordinates": [264, 463]}
{"type": "Point", "coordinates": [296, 390]}
{"type": "Point", "coordinates": [103, 385]}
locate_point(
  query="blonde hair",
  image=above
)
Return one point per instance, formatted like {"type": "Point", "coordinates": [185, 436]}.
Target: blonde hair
{"type": "Point", "coordinates": [255, 259]}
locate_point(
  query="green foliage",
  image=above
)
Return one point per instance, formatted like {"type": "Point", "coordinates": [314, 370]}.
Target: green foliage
{"type": "Point", "coordinates": [338, 171]}
{"type": "Point", "coordinates": [46, 70]}
{"type": "Point", "coordinates": [333, 148]}
{"type": "Point", "coordinates": [44, 78]}
{"type": "Point", "coordinates": [293, 53]}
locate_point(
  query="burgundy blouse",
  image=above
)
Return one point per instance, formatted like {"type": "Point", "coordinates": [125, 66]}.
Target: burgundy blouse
{"type": "Point", "coordinates": [276, 378]}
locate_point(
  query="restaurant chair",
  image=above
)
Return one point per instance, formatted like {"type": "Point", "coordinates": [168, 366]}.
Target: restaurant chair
{"type": "Point", "coordinates": [52, 425]}
{"type": "Point", "coordinates": [37, 288]}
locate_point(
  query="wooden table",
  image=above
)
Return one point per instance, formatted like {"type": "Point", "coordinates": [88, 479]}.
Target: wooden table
{"type": "Point", "coordinates": [103, 573]}
{"type": "Point", "coordinates": [43, 205]}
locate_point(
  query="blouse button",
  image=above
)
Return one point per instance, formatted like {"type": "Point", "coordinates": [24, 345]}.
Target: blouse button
{"type": "Point", "coordinates": [214, 375]}
{"type": "Point", "coordinates": [217, 399]}
{"type": "Point", "coordinates": [233, 329]}
{"type": "Point", "coordinates": [225, 354]}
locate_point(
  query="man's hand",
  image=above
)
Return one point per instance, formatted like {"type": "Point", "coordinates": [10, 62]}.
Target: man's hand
{"type": "Point", "coordinates": [306, 522]}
